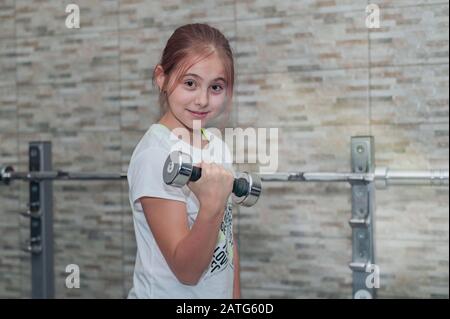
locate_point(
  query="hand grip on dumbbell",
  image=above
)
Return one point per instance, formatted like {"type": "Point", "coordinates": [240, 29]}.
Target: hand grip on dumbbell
{"type": "Point", "coordinates": [178, 170]}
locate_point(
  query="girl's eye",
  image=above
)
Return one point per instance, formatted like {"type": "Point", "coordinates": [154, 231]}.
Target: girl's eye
{"type": "Point", "coordinates": [190, 83]}
{"type": "Point", "coordinates": [217, 88]}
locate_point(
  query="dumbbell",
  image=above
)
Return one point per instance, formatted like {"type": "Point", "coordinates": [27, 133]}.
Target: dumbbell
{"type": "Point", "coordinates": [178, 170]}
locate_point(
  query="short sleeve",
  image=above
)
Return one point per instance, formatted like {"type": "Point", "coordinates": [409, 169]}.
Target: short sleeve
{"type": "Point", "coordinates": [145, 177]}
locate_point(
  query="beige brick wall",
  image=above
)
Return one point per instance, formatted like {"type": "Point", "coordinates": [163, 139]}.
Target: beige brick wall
{"type": "Point", "coordinates": [309, 67]}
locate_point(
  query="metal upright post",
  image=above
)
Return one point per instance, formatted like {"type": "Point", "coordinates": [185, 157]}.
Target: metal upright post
{"type": "Point", "coordinates": [362, 221]}
{"type": "Point", "coordinates": [41, 222]}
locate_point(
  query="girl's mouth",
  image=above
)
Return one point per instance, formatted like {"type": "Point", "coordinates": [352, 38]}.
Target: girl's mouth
{"type": "Point", "coordinates": [199, 115]}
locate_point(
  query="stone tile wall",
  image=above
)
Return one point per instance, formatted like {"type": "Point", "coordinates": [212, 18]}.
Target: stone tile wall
{"type": "Point", "coordinates": [311, 68]}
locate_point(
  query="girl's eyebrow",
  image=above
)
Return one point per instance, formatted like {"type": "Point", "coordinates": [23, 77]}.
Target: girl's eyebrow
{"type": "Point", "coordinates": [198, 76]}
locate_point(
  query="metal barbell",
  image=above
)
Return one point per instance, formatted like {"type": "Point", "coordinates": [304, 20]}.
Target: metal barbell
{"type": "Point", "coordinates": [382, 176]}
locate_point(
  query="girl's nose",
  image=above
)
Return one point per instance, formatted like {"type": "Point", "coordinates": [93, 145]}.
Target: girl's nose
{"type": "Point", "coordinates": [202, 98]}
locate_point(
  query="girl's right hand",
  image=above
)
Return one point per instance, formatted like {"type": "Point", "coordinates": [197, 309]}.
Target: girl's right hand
{"type": "Point", "coordinates": [213, 188]}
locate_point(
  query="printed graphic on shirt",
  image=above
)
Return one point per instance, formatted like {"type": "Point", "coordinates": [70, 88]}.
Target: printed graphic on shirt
{"type": "Point", "coordinates": [223, 254]}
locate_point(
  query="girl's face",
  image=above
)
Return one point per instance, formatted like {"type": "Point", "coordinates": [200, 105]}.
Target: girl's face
{"type": "Point", "coordinates": [200, 95]}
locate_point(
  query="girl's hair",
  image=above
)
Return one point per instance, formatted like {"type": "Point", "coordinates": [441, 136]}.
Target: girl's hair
{"type": "Point", "coordinates": [188, 45]}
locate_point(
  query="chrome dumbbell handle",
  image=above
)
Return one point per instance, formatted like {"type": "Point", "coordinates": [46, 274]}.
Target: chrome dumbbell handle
{"type": "Point", "coordinates": [240, 185]}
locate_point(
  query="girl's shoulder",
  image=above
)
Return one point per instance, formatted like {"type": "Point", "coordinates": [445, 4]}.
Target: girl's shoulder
{"type": "Point", "coordinates": [155, 140]}
{"type": "Point", "coordinates": [157, 136]}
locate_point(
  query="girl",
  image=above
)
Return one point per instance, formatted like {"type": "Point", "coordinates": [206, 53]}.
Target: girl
{"type": "Point", "coordinates": [185, 245]}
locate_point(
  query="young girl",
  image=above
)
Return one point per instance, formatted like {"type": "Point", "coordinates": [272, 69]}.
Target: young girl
{"type": "Point", "coordinates": [185, 245]}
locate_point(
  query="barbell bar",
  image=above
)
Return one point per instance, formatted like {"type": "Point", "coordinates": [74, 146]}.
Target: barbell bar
{"type": "Point", "coordinates": [382, 176]}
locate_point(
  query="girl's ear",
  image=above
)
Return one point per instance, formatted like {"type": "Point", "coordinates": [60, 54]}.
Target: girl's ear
{"type": "Point", "coordinates": [159, 76]}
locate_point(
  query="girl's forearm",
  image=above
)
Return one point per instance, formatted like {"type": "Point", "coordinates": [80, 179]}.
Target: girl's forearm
{"type": "Point", "coordinates": [193, 254]}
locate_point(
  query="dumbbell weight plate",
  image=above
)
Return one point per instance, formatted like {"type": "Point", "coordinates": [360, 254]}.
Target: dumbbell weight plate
{"type": "Point", "coordinates": [177, 169]}
{"type": "Point", "coordinates": [254, 192]}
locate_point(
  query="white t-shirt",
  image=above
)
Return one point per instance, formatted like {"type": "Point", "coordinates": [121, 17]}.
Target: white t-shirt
{"type": "Point", "coordinates": [152, 276]}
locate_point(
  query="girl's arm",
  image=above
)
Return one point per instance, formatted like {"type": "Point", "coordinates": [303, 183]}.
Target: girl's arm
{"type": "Point", "coordinates": [237, 272]}
{"type": "Point", "coordinates": [187, 252]}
